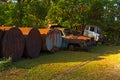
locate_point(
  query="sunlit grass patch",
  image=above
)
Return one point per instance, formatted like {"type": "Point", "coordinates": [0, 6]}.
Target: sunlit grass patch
{"type": "Point", "coordinates": [108, 68]}
{"type": "Point", "coordinates": [49, 66]}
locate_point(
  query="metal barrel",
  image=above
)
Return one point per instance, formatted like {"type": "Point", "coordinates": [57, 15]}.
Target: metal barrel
{"type": "Point", "coordinates": [3, 29]}
{"type": "Point", "coordinates": [13, 43]}
{"type": "Point", "coordinates": [57, 39]}
{"type": "Point", "coordinates": [1, 38]}
{"type": "Point", "coordinates": [51, 39]}
{"type": "Point", "coordinates": [32, 42]}
{"type": "Point", "coordinates": [1, 34]}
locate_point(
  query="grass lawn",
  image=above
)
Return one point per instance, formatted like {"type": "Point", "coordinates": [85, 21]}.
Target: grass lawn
{"type": "Point", "coordinates": [49, 67]}
{"type": "Point", "coordinates": [106, 67]}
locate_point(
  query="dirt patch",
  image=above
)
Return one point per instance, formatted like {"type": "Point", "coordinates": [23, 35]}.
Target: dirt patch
{"type": "Point", "coordinates": [12, 74]}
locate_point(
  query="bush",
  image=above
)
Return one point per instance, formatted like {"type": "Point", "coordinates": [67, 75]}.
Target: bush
{"type": "Point", "coordinates": [5, 64]}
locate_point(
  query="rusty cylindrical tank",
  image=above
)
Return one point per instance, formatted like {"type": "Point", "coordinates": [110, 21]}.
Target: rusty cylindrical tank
{"type": "Point", "coordinates": [3, 29]}
{"type": "Point", "coordinates": [51, 39]}
{"type": "Point", "coordinates": [1, 38]}
{"type": "Point", "coordinates": [57, 39]}
{"type": "Point", "coordinates": [1, 34]}
{"type": "Point", "coordinates": [32, 42]}
{"type": "Point", "coordinates": [13, 43]}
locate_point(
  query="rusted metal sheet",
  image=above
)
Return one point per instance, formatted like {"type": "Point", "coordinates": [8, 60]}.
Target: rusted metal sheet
{"type": "Point", "coordinates": [1, 33]}
{"type": "Point", "coordinates": [57, 39]}
{"type": "Point", "coordinates": [13, 44]}
{"type": "Point", "coordinates": [73, 39]}
{"type": "Point", "coordinates": [84, 38]}
{"type": "Point", "coordinates": [1, 38]}
{"type": "Point", "coordinates": [43, 33]}
{"type": "Point", "coordinates": [51, 39]}
{"type": "Point", "coordinates": [5, 28]}
{"type": "Point", "coordinates": [32, 42]}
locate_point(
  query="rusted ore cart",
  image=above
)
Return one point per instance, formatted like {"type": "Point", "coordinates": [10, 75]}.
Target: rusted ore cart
{"type": "Point", "coordinates": [51, 39]}
{"type": "Point", "coordinates": [12, 43]}
{"type": "Point", "coordinates": [33, 44]}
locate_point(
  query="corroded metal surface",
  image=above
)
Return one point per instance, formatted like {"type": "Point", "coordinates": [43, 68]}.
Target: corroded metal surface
{"type": "Point", "coordinates": [5, 28]}
{"type": "Point", "coordinates": [57, 38]}
{"type": "Point", "coordinates": [51, 39]}
{"type": "Point", "coordinates": [43, 37]}
{"type": "Point", "coordinates": [32, 42]}
{"type": "Point", "coordinates": [1, 38]}
{"type": "Point", "coordinates": [13, 44]}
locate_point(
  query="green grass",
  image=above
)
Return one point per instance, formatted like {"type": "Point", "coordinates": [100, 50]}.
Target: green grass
{"type": "Point", "coordinates": [106, 68]}
{"type": "Point", "coordinates": [5, 64]}
{"type": "Point", "coordinates": [49, 66]}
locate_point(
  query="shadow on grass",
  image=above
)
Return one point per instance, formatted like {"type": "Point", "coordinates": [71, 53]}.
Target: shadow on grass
{"type": "Point", "coordinates": [67, 56]}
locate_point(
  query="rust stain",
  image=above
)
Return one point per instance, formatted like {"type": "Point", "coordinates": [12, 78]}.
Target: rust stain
{"type": "Point", "coordinates": [13, 44]}
{"type": "Point", "coordinates": [84, 38]}
{"type": "Point", "coordinates": [44, 31]}
{"type": "Point", "coordinates": [5, 28]}
{"type": "Point", "coordinates": [33, 42]}
{"type": "Point", "coordinates": [25, 31]}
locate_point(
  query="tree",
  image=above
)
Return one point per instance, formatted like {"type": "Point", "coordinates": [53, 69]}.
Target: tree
{"type": "Point", "coordinates": [34, 13]}
{"type": "Point", "coordinates": [95, 13]}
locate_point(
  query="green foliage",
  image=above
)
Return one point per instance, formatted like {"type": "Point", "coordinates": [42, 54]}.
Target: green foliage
{"type": "Point", "coordinates": [95, 13]}
{"type": "Point", "coordinates": [24, 13]}
{"type": "Point", "coordinates": [2, 20]}
{"type": "Point", "coordinates": [38, 13]}
{"type": "Point", "coordinates": [10, 14]}
{"type": "Point", "coordinates": [5, 64]}
{"type": "Point", "coordinates": [34, 14]}
{"type": "Point", "coordinates": [41, 12]}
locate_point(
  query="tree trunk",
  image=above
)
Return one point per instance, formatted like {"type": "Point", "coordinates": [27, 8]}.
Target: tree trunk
{"type": "Point", "coordinates": [19, 24]}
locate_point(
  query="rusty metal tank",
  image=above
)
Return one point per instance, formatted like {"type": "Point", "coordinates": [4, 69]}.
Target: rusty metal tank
{"type": "Point", "coordinates": [32, 42]}
{"type": "Point", "coordinates": [51, 39]}
{"type": "Point", "coordinates": [3, 29]}
{"type": "Point", "coordinates": [12, 43]}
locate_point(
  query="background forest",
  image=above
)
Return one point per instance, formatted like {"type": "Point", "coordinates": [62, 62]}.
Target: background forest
{"type": "Point", "coordinates": [73, 14]}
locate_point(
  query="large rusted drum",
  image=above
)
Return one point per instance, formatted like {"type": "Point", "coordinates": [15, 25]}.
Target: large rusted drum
{"type": "Point", "coordinates": [1, 34]}
{"type": "Point", "coordinates": [45, 37]}
{"type": "Point", "coordinates": [51, 39]}
{"type": "Point", "coordinates": [1, 37]}
{"type": "Point", "coordinates": [57, 39]}
{"type": "Point", "coordinates": [32, 42]}
{"type": "Point", "coordinates": [13, 44]}
{"type": "Point", "coordinates": [3, 29]}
